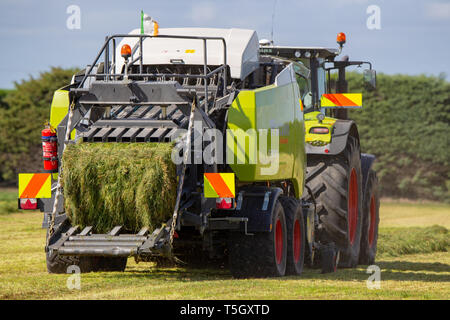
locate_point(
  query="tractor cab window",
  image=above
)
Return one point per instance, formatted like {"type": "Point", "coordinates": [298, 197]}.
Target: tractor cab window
{"type": "Point", "coordinates": [302, 75]}
{"type": "Point", "coordinates": [302, 85]}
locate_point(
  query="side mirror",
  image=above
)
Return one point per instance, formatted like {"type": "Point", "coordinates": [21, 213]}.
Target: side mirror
{"type": "Point", "coordinates": [370, 77]}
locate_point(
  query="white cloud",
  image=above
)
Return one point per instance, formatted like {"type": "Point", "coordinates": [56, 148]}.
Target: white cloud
{"type": "Point", "coordinates": [203, 12]}
{"type": "Point", "coordinates": [438, 11]}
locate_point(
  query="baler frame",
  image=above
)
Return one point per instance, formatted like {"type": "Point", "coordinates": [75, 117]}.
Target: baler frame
{"type": "Point", "coordinates": [112, 39]}
{"type": "Point", "coordinates": [142, 244]}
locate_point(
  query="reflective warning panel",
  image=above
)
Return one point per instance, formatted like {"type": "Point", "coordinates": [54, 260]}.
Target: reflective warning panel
{"type": "Point", "coordinates": [35, 185]}
{"type": "Point", "coordinates": [219, 185]}
{"type": "Point", "coordinates": [341, 100]}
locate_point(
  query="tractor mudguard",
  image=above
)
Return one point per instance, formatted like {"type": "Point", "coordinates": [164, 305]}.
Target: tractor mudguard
{"type": "Point", "coordinates": [257, 204]}
{"type": "Point", "coordinates": [366, 164]}
{"type": "Point", "coordinates": [339, 136]}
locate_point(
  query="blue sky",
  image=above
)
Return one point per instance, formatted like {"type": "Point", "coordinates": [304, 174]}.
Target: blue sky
{"type": "Point", "coordinates": [414, 37]}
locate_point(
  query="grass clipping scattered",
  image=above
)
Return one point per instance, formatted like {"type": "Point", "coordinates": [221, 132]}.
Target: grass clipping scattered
{"type": "Point", "coordinates": [111, 184]}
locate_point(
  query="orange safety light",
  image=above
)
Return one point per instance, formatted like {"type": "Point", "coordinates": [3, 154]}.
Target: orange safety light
{"type": "Point", "coordinates": [155, 28]}
{"type": "Point", "coordinates": [125, 51]}
{"type": "Point", "coordinates": [340, 38]}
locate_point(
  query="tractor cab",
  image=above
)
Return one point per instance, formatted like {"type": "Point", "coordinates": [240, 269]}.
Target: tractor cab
{"type": "Point", "coordinates": [324, 100]}
{"type": "Point", "coordinates": [321, 62]}
{"type": "Point", "coordinates": [339, 178]}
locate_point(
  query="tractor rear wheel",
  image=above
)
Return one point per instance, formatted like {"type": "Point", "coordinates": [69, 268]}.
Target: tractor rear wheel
{"type": "Point", "coordinates": [371, 219]}
{"type": "Point", "coordinates": [263, 254]}
{"type": "Point", "coordinates": [336, 184]}
{"type": "Point", "coordinates": [295, 226]}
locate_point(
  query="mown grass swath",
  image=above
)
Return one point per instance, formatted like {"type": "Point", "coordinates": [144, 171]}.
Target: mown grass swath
{"type": "Point", "coordinates": [107, 184]}
{"type": "Point", "coordinates": [394, 242]}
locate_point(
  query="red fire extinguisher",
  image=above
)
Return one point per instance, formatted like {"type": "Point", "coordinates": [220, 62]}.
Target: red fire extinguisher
{"type": "Point", "coordinates": [50, 149]}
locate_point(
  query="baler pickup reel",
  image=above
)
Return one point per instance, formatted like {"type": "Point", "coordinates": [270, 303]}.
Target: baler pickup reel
{"type": "Point", "coordinates": [114, 244]}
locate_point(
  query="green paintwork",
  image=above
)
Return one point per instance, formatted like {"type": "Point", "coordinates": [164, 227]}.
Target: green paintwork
{"type": "Point", "coordinates": [59, 108]}
{"type": "Point", "coordinates": [270, 107]}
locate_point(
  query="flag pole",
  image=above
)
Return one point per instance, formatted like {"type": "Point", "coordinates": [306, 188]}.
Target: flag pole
{"type": "Point", "coordinates": [142, 22]}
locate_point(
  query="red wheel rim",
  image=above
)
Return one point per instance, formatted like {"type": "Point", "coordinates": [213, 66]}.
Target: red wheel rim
{"type": "Point", "coordinates": [352, 205]}
{"type": "Point", "coordinates": [297, 241]}
{"type": "Point", "coordinates": [278, 241]}
{"type": "Point", "coordinates": [372, 221]}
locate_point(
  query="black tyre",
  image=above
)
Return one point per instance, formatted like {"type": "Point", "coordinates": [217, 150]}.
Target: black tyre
{"type": "Point", "coordinates": [105, 264]}
{"type": "Point", "coordinates": [295, 226]}
{"type": "Point", "coordinates": [329, 259]}
{"type": "Point", "coordinates": [262, 255]}
{"type": "Point", "coordinates": [59, 264]}
{"type": "Point", "coordinates": [371, 219]}
{"type": "Point", "coordinates": [55, 262]}
{"type": "Point", "coordinates": [336, 184]}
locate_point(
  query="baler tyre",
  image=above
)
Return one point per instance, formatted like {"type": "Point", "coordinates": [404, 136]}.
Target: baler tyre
{"type": "Point", "coordinates": [107, 263]}
{"type": "Point", "coordinates": [336, 184]}
{"type": "Point", "coordinates": [371, 219]}
{"type": "Point", "coordinates": [295, 226]}
{"type": "Point", "coordinates": [55, 262]}
{"type": "Point", "coordinates": [263, 254]}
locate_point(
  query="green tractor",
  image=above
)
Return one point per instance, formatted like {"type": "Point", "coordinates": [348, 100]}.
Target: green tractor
{"type": "Point", "coordinates": [275, 181]}
{"type": "Point", "coordinates": [341, 181]}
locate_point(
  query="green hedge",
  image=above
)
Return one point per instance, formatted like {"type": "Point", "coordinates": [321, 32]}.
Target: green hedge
{"type": "Point", "coordinates": [23, 112]}
{"type": "Point", "coordinates": [405, 123]}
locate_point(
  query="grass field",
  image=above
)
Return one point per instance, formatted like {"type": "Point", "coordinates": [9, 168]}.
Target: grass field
{"type": "Point", "coordinates": [422, 274]}
{"type": "Point", "coordinates": [409, 214]}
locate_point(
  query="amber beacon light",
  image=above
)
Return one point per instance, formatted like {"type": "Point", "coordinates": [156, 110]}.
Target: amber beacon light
{"type": "Point", "coordinates": [340, 38]}
{"type": "Point", "coordinates": [125, 51]}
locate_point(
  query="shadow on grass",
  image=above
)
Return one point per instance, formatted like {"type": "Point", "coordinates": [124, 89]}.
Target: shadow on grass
{"type": "Point", "coordinates": [172, 274]}
{"type": "Point", "coordinates": [395, 270]}
{"type": "Point", "coordinates": [415, 266]}
{"type": "Point", "coordinates": [386, 274]}
{"type": "Point", "coordinates": [390, 270]}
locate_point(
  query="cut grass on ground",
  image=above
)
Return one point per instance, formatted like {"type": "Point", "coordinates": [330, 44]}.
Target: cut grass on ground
{"type": "Point", "coordinates": [413, 214]}
{"type": "Point", "coordinates": [23, 273]}
{"type": "Point", "coordinates": [8, 201]}
{"type": "Point", "coordinates": [395, 242]}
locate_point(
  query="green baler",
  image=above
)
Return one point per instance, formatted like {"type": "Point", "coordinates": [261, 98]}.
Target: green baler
{"type": "Point", "coordinates": [247, 161]}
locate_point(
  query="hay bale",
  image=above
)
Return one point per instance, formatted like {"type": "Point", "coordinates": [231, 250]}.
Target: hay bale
{"type": "Point", "coordinates": [110, 184]}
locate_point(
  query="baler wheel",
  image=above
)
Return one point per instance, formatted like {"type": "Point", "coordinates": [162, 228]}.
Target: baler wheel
{"type": "Point", "coordinates": [295, 225]}
{"type": "Point", "coordinates": [263, 254]}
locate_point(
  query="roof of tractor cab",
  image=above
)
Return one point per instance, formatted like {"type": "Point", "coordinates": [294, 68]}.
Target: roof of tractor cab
{"type": "Point", "coordinates": [242, 49]}
{"type": "Point", "coordinates": [299, 52]}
